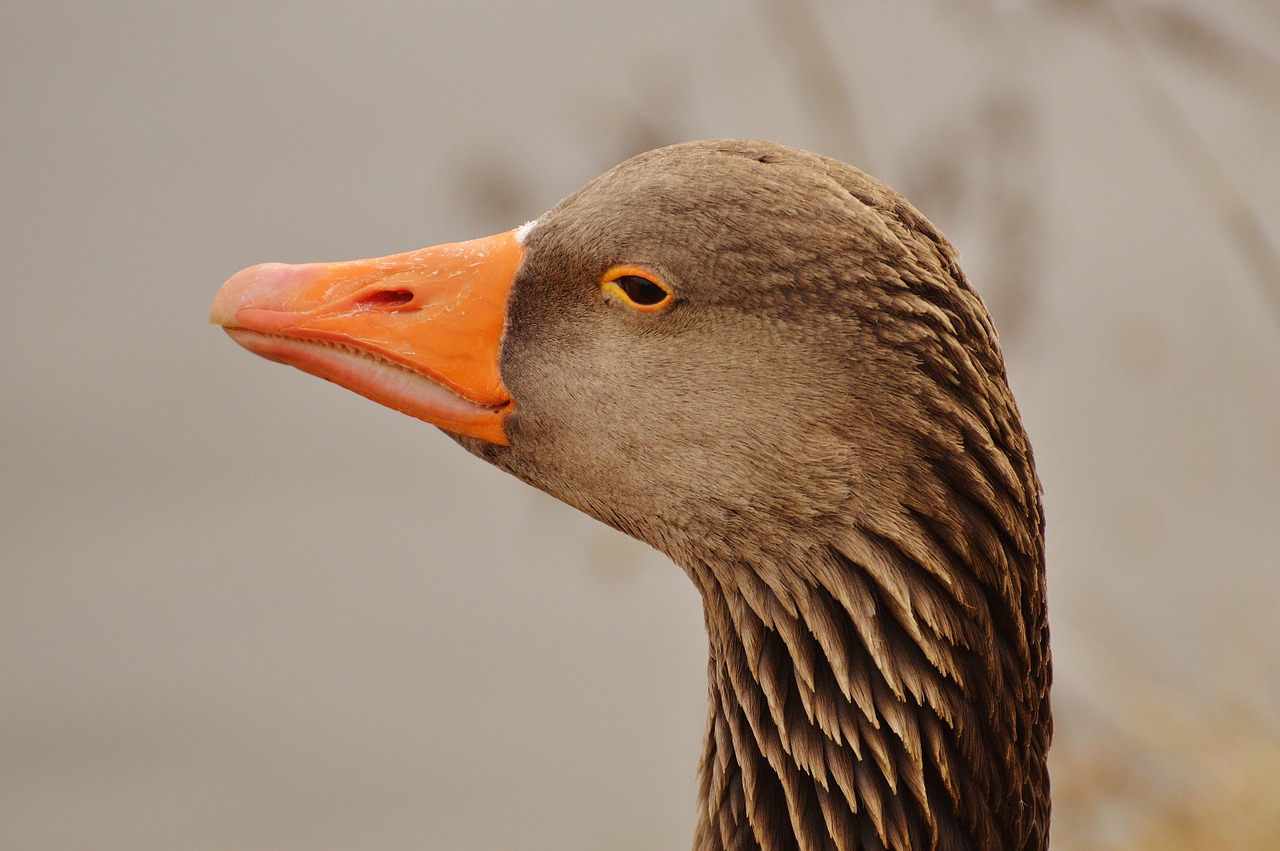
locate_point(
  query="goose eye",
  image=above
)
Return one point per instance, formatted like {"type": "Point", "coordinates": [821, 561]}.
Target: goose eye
{"type": "Point", "coordinates": [636, 288]}
{"type": "Point", "coordinates": [642, 291]}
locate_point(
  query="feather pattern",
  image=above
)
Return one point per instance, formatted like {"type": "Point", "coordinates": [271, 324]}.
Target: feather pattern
{"type": "Point", "coordinates": [888, 688]}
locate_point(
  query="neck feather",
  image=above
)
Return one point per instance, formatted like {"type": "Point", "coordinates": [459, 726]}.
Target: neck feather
{"type": "Point", "coordinates": [880, 679]}
{"type": "Point", "coordinates": [890, 692]}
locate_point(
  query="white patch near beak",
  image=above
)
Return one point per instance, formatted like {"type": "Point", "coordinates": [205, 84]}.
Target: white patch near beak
{"type": "Point", "coordinates": [522, 232]}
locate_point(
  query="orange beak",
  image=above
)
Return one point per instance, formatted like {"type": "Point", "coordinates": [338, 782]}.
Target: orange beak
{"type": "Point", "coordinates": [420, 332]}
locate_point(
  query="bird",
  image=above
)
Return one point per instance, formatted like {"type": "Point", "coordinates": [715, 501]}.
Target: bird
{"type": "Point", "coordinates": [769, 366]}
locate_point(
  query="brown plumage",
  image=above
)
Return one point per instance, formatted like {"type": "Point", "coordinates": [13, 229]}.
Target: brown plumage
{"type": "Point", "coordinates": [819, 430]}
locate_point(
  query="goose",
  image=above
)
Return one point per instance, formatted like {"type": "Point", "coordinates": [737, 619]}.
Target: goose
{"type": "Point", "coordinates": [769, 366]}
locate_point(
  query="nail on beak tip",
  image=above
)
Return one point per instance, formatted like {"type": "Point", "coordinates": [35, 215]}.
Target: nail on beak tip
{"type": "Point", "coordinates": [271, 286]}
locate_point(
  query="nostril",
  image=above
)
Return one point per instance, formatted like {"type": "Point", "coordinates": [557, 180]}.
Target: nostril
{"type": "Point", "coordinates": [386, 298]}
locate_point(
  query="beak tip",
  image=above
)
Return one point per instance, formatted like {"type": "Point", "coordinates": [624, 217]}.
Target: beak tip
{"type": "Point", "coordinates": [267, 285]}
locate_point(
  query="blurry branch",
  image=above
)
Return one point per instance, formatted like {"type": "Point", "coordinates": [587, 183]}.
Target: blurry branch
{"type": "Point", "coordinates": [493, 189]}
{"type": "Point", "coordinates": [498, 189]}
{"type": "Point", "coordinates": [820, 84]}
{"type": "Point", "coordinates": [1246, 67]}
{"type": "Point", "coordinates": [984, 166]}
{"type": "Point", "coordinates": [654, 112]}
{"type": "Point", "coordinates": [1241, 222]}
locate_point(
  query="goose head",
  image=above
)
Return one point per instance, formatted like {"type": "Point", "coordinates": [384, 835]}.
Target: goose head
{"type": "Point", "coordinates": [767, 365]}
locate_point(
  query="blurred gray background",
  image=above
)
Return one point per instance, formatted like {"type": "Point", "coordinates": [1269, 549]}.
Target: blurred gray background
{"type": "Point", "coordinates": [243, 609]}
